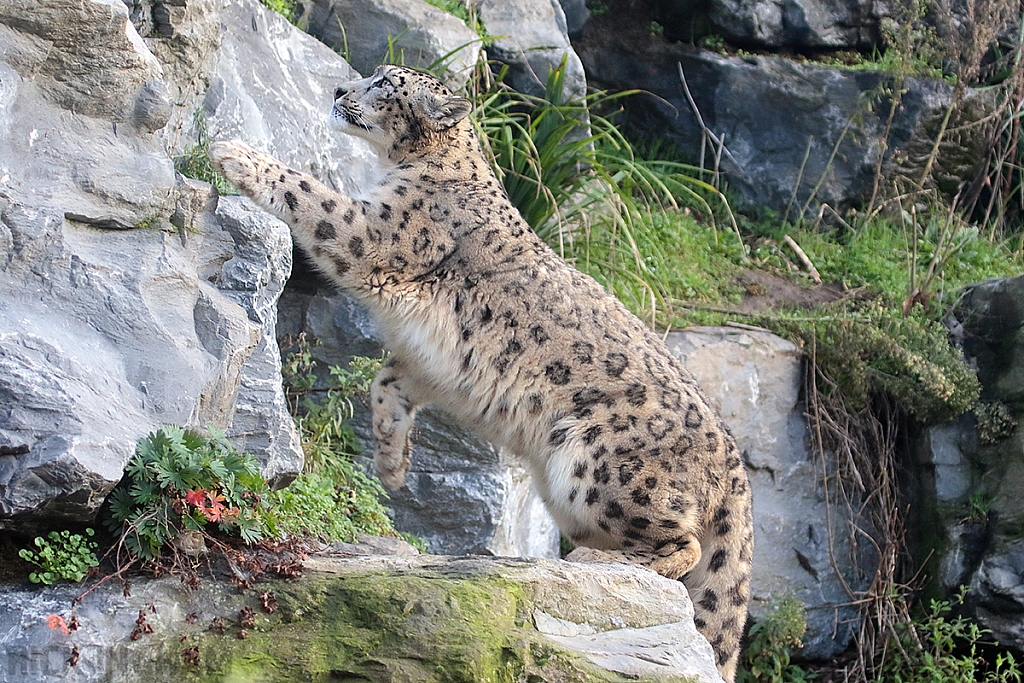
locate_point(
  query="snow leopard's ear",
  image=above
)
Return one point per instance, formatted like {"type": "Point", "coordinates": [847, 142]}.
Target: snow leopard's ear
{"type": "Point", "coordinates": [442, 112]}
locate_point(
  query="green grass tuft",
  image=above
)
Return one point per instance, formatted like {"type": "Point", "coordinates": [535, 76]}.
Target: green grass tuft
{"type": "Point", "coordinates": [332, 499]}
{"type": "Point", "coordinates": [195, 162]}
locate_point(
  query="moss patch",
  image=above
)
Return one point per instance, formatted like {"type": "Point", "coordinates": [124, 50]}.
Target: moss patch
{"type": "Point", "coordinates": [385, 627]}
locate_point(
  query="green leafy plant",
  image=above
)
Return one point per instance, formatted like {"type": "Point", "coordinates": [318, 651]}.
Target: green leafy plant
{"type": "Point", "coordinates": [182, 481]}
{"type": "Point", "coordinates": [333, 498]}
{"type": "Point", "coordinates": [285, 8]}
{"type": "Point", "coordinates": [559, 160]}
{"type": "Point", "coordinates": [61, 555]}
{"type": "Point", "coordinates": [713, 41]}
{"type": "Point", "coordinates": [772, 640]}
{"type": "Point", "coordinates": [943, 647]}
{"type": "Point", "coordinates": [977, 507]}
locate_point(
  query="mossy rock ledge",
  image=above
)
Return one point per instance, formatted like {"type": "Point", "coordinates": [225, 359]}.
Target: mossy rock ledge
{"type": "Point", "coordinates": [395, 619]}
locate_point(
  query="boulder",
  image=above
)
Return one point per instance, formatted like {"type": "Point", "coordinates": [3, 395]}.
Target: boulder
{"type": "Point", "coordinates": [532, 38]}
{"type": "Point", "coordinates": [411, 32]}
{"type": "Point", "coordinates": [754, 378]}
{"type": "Point", "coordinates": [185, 37]}
{"type": "Point", "coordinates": [273, 87]}
{"type": "Point", "coordinates": [577, 14]}
{"type": "Point", "coordinates": [81, 94]}
{"type": "Point", "coordinates": [132, 298]}
{"type": "Point", "coordinates": [254, 278]}
{"type": "Point", "coordinates": [778, 24]}
{"type": "Point", "coordinates": [970, 475]}
{"type": "Point", "coordinates": [795, 134]}
{"type": "Point", "coordinates": [992, 313]}
{"type": "Point", "coordinates": [371, 619]}
{"type": "Point", "coordinates": [98, 350]}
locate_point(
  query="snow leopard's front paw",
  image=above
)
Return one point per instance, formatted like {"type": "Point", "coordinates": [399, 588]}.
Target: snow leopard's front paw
{"type": "Point", "coordinates": [391, 464]}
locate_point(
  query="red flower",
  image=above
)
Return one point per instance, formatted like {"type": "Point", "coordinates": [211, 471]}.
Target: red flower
{"type": "Point", "coordinates": [55, 621]}
{"type": "Point", "coordinates": [195, 497]}
{"type": "Point", "coordinates": [215, 510]}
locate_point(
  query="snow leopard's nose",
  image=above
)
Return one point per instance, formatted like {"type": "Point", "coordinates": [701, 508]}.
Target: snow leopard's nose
{"type": "Point", "coordinates": [339, 92]}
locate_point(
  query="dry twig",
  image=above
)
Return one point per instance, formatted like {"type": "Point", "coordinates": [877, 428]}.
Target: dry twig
{"type": "Point", "coordinates": [803, 258]}
{"type": "Point", "coordinates": [857, 456]}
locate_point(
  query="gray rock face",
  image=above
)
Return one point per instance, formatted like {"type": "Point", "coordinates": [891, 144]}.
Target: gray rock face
{"type": "Point", "coordinates": [98, 165]}
{"type": "Point", "coordinates": [587, 620]}
{"type": "Point", "coordinates": [130, 298]}
{"type": "Point", "coordinates": [254, 278]}
{"type": "Point", "coordinates": [753, 379]}
{"type": "Point", "coordinates": [970, 483]}
{"type": "Point", "coordinates": [80, 54]}
{"type": "Point", "coordinates": [273, 87]}
{"type": "Point", "coordinates": [184, 37]}
{"type": "Point", "coordinates": [774, 24]}
{"type": "Point", "coordinates": [997, 592]}
{"type": "Point", "coordinates": [532, 40]}
{"type": "Point", "coordinates": [994, 314]}
{"type": "Point", "coordinates": [772, 113]}
{"type": "Point", "coordinates": [420, 35]}
{"type": "Point", "coordinates": [576, 16]}
{"type": "Point", "coordinates": [99, 349]}
{"type": "Point", "coordinates": [461, 494]}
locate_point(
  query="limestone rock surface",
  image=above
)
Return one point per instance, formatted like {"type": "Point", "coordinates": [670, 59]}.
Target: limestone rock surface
{"type": "Point", "coordinates": [532, 39]}
{"type": "Point", "coordinates": [753, 378]}
{"type": "Point", "coordinates": [79, 93]}
{"type": "Point", "coordinates": [185, 37]}
{"type": "Point", "coordinates": [376, 619]}
{"type": "Point", "coordinates": [411, 32]}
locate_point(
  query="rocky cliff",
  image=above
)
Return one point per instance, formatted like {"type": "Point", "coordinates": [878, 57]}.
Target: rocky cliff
{"type": "Point", "coordinates": [383, 619]}
{"type": "Point", "coordinates": [971, 472]}
{"type": "Point", "coordinates": [131, 296]}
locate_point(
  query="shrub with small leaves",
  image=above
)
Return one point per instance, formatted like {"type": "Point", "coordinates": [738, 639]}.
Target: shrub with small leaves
{"type": "Point", "coordinates": [943, 647]}
{"type": "Point", "coordinates": [333, 499]}
{"type": "Point", "coordinates": [179, 480]}
{"type": "Point", "coordinates": [995, 422]}
{"type": "Point", "coordinates": [877, 350]}
{"type": "Point", "coordinates": [772, 639]}
{"type": "Point", "coordinates": [61, 555]}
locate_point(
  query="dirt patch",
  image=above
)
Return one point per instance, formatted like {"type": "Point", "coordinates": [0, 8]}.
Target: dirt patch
{"type": "Point", "coordinates": [13, 569]}
{"type": "Point", "coordinates": [763, 291]}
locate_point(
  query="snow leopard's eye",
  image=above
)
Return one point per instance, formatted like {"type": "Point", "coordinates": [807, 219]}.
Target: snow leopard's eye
{"type": "Point", "coordinates": [382, 87]}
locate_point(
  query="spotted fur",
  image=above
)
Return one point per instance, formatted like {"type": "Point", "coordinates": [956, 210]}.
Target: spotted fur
{"type": "Point", "coordinates": [484, 320]}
